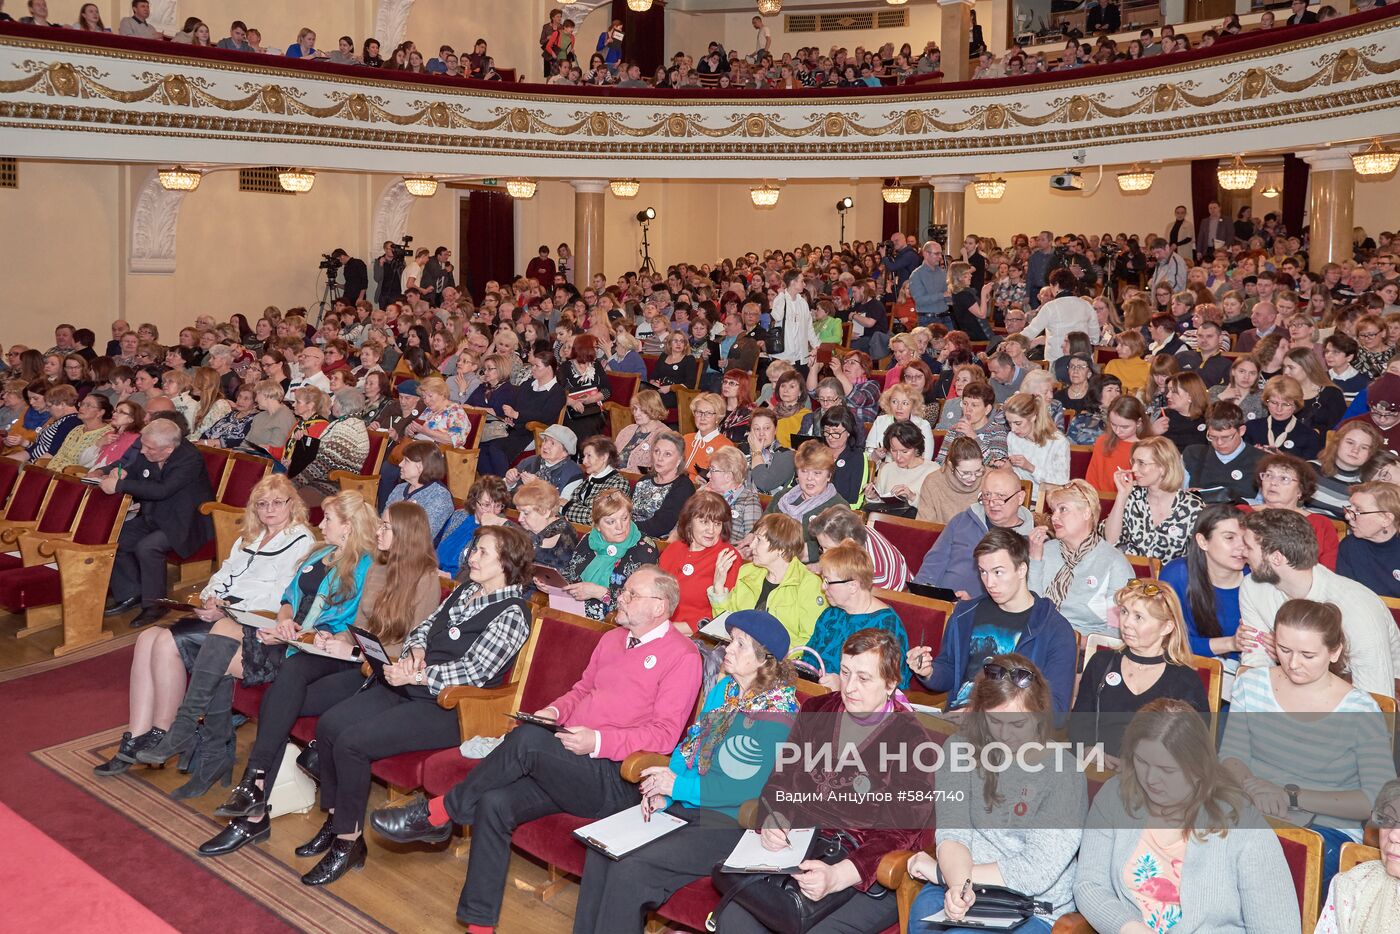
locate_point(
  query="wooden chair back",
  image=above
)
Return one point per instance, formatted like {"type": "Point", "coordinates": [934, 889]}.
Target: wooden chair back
{"type": "Point", "coordinates": [100, 520]}
{"type": "Point", "coordinates": [61, 506]}
{"type": "Point", "coordinates": [30, 493]}
{"type": "Point", "coordinates": [1354, 854]}
{"type": "Point", "coordinates": [242, 474]}
{"type": "Point", "coordinates": [9, 476]}
{"type": "Point", "coordinates": [461, 469]}
{"type": "Point", "coordinates": [215, 462]}
{"type": "Point", "coordinates": [228, 526]}
{"type": "Point", "coordinates": [622, 387]}
{"type": "Point", "coordinates": [1079, 457]}
{"type": "Point", "coordinates": [1144, 567]}
{"type": "Point", "coordinates": [1302, 849]}
{"type": "Point", "coordinates": [476, 420]}
{"type": "Point", "coordinates": [924, 618]}
{"type": "Point", "coordinates": [378, 447]}
{"type": "Point", "coordinates": [684, 419]}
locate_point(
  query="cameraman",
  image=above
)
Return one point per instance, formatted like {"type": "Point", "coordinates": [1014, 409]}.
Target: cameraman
{"type": "Point", "coordinates": [900, 261]}
{"type": "Point", "coordinates": [437, 275]}
{"type": "Point", "coordinates": [356, 275]}
{"type": "Point", "coordinates": [387, 267]}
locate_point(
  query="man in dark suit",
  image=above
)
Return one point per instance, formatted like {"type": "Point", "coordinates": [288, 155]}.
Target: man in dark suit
{"type": "Point", "coordinates": [356, 276]}
{"type": "Point", "coordinates": [1300, 13]}
{"type": "Point", "coordinates": [1214, 232]}
{"type": "Point", "coordinates": [168, 481]}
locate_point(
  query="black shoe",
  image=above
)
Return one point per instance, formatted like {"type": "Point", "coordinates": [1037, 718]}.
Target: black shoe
{"type": "Point", "coordinates": [151, 614]}
{"type": "Point", "coordinates": [310, 761]}
{"type": "Point", "coordinates": [246, 799]}
{"type": "Point", "coordinates": [409, 823]}
{"type": "Point", "coordinates": [117, 608]}
{"type": "Point", "coordinates": [319, 843]}
{"type": "Point", "coordinates": [238, 833]}
{"type": "Point", "coordinates": [343, 856]}
{"type": "Point", "coordinates": [116, 765]}
{"type": "Point", "coordinates": [145, 741]}
{"type": "Point", "coordinates": [210, 765]}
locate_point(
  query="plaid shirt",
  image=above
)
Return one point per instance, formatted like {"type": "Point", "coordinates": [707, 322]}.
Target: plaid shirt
{"type": "Point", "coordinates": [492, 650]}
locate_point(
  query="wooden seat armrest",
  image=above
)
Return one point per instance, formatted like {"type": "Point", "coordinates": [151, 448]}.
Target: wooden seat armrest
{"type": "Point", "coordinates": [750, 814]}
{"type": "Point", "coordinates": [481, 711]}
{"type": "Point", "coordinates": [350, 482]}
{"type": "Point", "coordinates": [366, 669]}
{"type": "Point", "coordinates": [1072, 923]}
{"type": "Point", "coordinates": [338, 475]}
{"type": "Point", "coordinates": [50, 547]}
{"type": "Point", "coordinates": [635, 764]}
{"type": "Point", "coordinates": [11, 531]}
{"type": "Point", "coordinates": [928, 697]}
{"type": "Point", "coordinates": [464, 693]}
{"type": "Point", "coordinates": [35, 549]}
{"type": "Point", "coordinates": [211, 507]}
{"type": "Point", "coordinates": [892, 872]}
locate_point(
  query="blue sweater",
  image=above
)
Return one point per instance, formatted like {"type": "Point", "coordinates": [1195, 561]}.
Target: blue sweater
{"type": "Point", "coordinates": [835, 626]}
{"type": "Point", "coordinates": [1227, 608]}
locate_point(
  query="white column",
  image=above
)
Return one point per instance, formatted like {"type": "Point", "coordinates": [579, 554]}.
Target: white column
{"type": "Point", "coordinates": [589, 200]}
{"type": "Point", "coordinates": [1332, 187]}
{"type": "Point", "coordinates": [950, 208]}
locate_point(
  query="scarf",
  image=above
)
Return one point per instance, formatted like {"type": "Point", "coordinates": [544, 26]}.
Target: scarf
{"type": "Point", "coordinates": [792, 504]}
{"type": "Point", "coordinates": [712, 727]}
{"type": "Point", "coordinates": [786, 410]}
{"type": "Point", "coordinates": [1367, 899]}
{"type": "Point", "coordinates": [1276, 440]}
{"type": "Point", "coordinates": [606, 555]}
{"type": "Point", "coordinates": [1064, 577]}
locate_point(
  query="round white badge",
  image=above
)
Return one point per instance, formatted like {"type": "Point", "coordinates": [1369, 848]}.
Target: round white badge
{"type": "Point", "coordinates": [1091, 581]}
{"type": "Point", "coordinates": [645, 446]}
{"type": "Point", "coordinates": [709, 449]}
{"type": "Point", "coordinates": [841, 463]}
{"type": "Point", "coordinates": [1288, 443]}
{"type": "Point", "coordinates": [1395, 574]}
{"type": "Point", "coordinates": [454, 633]}
{"type": "Point", "coordinates": [1113, 679]}
{"type": "Point", "coordinates": [1249, 415]}
{"type": "Point", "coordinates": [308, 569]}
{"type": "Point", "coordinates": [1236, 475]}
{"type": "Point", "coordinates": [688, 570]}
{"type": "Point", "coordinates": [146, 473]}
{"type": "Point", "coordinates": [1201, 426]}
{"type": "Point", "coordinates": [649, 662]}
{"type": "Point", "coordinates": [612, 551]}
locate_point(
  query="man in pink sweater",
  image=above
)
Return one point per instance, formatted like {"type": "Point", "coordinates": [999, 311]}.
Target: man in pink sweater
{"type": "Point", "coordinates": [636, 694]}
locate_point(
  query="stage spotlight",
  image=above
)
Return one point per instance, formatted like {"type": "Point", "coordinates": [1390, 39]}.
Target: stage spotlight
{"type": "Point", "coordinates": [646, 214]}
{"type": "Point", "coordinates": [845, 204]}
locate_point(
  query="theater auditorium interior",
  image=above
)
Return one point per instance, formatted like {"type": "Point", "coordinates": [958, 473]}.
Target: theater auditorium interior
{"type": "Point", "coordinates": [539, 466]}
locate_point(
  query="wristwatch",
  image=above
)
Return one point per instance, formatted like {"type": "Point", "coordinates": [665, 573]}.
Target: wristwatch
{"type": "Point", "coordinates": [1292, 796]}
{"type": "Point", "coordinates": [418, 679]}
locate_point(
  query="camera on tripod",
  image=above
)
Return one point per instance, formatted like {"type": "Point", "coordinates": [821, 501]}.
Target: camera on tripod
{"type": "Point", "coordinates": [329, 262]}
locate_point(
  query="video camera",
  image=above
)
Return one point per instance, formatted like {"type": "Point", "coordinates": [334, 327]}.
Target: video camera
{"type": "Point", "coordinates": [329, 262]}
{"type": "Point", "coordinates": [401, 250]}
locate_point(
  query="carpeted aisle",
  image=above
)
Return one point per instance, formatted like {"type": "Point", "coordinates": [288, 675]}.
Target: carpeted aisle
{"type": "Point", "coordinates": [45, 709]}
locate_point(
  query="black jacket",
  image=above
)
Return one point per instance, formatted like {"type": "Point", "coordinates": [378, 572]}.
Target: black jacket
{"type": "Point", "coordinates": [170, 495]}
{"type": "Point", "coordinates": [356, 279]}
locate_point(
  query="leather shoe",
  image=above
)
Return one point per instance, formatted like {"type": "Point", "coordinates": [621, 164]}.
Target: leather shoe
{"type": "Point", "coordinates": [343, 856]}
{"type": "Point", "coordinates": [239, 832]}
{"type": "Point", "coordinates": [245, 800]}
{"type": "Point", "coordinates": [409, 823]}
{"type": "Point", "coordinates": [116, 765]}
{"type": "Point", "coordinates": [309, 761]}
{"type": "Point", "coordinates": [319, 843]}
{"type": "Point", "coordinates": [151, 614]}
{"type": "Point", "coordinates": [121, 606]}
{"type": "Point", "coordinates": [145, 741]}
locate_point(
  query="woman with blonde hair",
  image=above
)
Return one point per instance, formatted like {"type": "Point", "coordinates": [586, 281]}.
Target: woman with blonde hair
{"type": "Point", "coordinates": [847, 577]}
{"type": "Point", "coordinates": [1035, 448]}
{"type": "Point", "coordinates": [311, 407]}
{"type": "Point", "coordinates": [1283, 431]}
{"type": "Point", "coordinates": [729, 479]}
{"type": "Point", "coordinates": [607, 555]}
{"type": "Point", "coordinates": [1137, 311]}
{"type": "Point", "coordinates": [905, 350]}
{"type": "Point", "coordinates": [708, 411]}
{"type": "Point", "coordinates": [212, 404]}
{"type": "Point", "coordinates": [811, 493]}
{"type": "Point", "coordinates": [1153, 514]}
{"type": "Point", "coordinates": [179, 388]}
{"type": "Point", "coordinates": [634, 442]}
{"type": "Point", "coordinates": [900, 403]}
{"type": "Point", "coordinates": [1071, 564]}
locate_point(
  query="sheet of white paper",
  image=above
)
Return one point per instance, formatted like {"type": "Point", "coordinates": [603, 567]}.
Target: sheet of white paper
{"type": "Point", "coordinates": [313, 650]}
{"type": "Point", "coordinates": [248, 618]}
{"type": "Point", "coordinates": [562, 601]}
{"type": "Point", "coordinates": [621, 833]}
{"type": "Point", "coordinates": [996, 924]}
{"type": "Point", "coordinates": [751, 856]}
{"type": "Point", "coordinates": [716, 628]}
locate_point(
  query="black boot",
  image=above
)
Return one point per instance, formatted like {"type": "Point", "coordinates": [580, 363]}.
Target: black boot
{"type": "Point", "coordinates": [239, 832]}
{"type": "Point", "coordinates": [343, 856]}
{"type": "Point", "coordinates": [215, 760]}
{"type": "Point", "coordinates": [192, 751]}
{"type": "Point", "coordinates": [145, 741]}
{"type": "Point", "coordinates": [205, 679]}
{"type": "Point", "coordinates": [116, 765]}
{"type": "Point", "coordinates": [247, 798]}
{"type": "Point", "coordinates": [309, 761]}
{"type": "Point", "coordinates": [319, 843]}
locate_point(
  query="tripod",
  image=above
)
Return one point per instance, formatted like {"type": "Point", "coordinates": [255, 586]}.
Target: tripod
{"type": "Point", "coordinates": [329, 293]}
{"type": "Point", "coordinates": [648, 267]}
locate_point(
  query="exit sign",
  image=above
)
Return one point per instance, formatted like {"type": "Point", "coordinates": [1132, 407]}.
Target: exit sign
{"type": "Point", "coordinates": [490, 182]}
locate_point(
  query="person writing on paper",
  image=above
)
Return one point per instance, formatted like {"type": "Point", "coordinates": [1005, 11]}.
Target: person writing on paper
{"type": "Point", "coordinates": [607, 556]}
{"type": "Point", "coordinates": [400, 590]}
{"type": "Point", "coordinates": [1174, 823]}
{"type": "Point", "coordinates": [704, 532]}
{"type": "Point", "coordinates": [323, 595]}
{"type": "Point", "coordinates": [1324, 772]}
{"type": "Point", "coordinates": [864, 709]}
{"type": "Point", "coordinates": [1072, 564]}
{"type": "Point", "coordinates": [263, 560]}
{"type": "Point", "coordinates": [752, 701]}
{"type": "Point", "coordinates": [1363, 900]}
{"type": "Point", "coordinates": [774, 580]}
{"type": "Point", "coordinates": [1018, 828]}
{"type": "Point", "coordinates": [636, 695]}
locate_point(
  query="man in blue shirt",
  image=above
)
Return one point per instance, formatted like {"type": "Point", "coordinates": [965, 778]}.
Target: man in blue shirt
{"type": "Point", "coordinates": [928, 286]}
{"type": "Point", "coordinates": [1038, 266]}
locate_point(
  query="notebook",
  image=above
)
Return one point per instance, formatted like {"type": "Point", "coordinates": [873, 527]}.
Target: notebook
{"type": "Point", "coordinates": [750, 855]}
{"type": "Point", "coordinates": [627, 831]}
{"type": "Point", "coordinates": [981, 924]}
{"type": "Point", "coordinates": [717, 628]}
{"type": "Point", "coordinates": [248, 618]}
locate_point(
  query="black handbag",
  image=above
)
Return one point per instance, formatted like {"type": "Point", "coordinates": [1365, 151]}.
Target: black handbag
{"type": "Point", "coordinates": [776, 344]}
{"type": "Point", "coordinates": [997, 902]}
{"type": "Point", "coordinates": [775, 900]}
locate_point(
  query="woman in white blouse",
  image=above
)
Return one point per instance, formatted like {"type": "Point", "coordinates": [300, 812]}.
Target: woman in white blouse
{"type": "Point", "coordinates": [1035, 448]}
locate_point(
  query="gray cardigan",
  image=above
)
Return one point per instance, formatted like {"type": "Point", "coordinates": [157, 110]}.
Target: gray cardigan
{"type": "Point", "coordinates": [1097, 577]}
{"type": "Point", "coordinates": [1238, 884]}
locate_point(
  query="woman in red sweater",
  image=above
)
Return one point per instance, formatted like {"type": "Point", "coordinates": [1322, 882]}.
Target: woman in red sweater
{"type": "Point", "coordinates": [704, 529]}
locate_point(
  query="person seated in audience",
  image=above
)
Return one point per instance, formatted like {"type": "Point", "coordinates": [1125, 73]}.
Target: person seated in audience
{"type": "Point", "coordinates": [1287, 483]}
{"type": "Point", "coordinates": [1090, 423]}
{"type": "Point", "coordinates": [679, 367]}
{"type": "Point", "coordinates": [264, 558]}
{"type": "Point", "coordinates": [1323, 402]}
{"type": "Point", "coordinates": [1071, 564]}
{"type": "Point", "coordinates": [790, 405]}
{"type": "Point", "coordinates": [868, 695]}
{"type": "Point", "coordinates": [60, 408]}
{"type": "Point", "coordinates": [1130, 367]}
{"type": "Point", "coordinates": [119, 444]}
{"type": "Point", "coordinates": [312, 409]}
{"type": "Point", "coordinates": [323, 596]}
{"type": "Point", "coordinates": [812, 492]}
{"type": "Point", "coordinates": [707, 409]}
{"type": "Point", "coordinates": [1127, 423]}
{"type": "Point", "coordinates": [847, 581]}
{"type": "Point", "coordinates": [1284, 430]}
{"type": "Point", "coordinates": [1009, 618]}
{"type": "Point", "coordinates": [1361, 900]}
{"type": "Point", "coordinates": [1040, 383]}
{"type": "Point", "coordinates": [554, 537]}
{"type": "Point", "coordinates": [771, 465]}
{"type": "Point", "coordinates": [343, 445]}
{"type": "Point", "coordinates": [657, 499]}
{"type": "Point", "coordinates": [1035, 449]}
{"type": "Point", "coordinates": [1154, 661]}
{"type": "Point", "coordinates": [381, 401]}
{"type": "Point", "coordinates": [862, 392]}
{"type": "Point", "coordinates": [272, 426]}
{"type": "Point", "coordinates": [1342, 464]}
{"type": "Point", "coordinates": [1183, 420]}
{"type": "Point", "coordinates": [773, 580]}
{"type": "Point", "coordinates": [607, 557]}
{"type": "Point", "coordinates": [899, 482]}
{"type": "Point", "coordinates": [230, 429]}
{"type": "Point", "coordinates": [1242, 389]}
{"type": "Point", "coordinates": [901, 403]}
{"type": "Point", "coordinates": [494, 392]}
{"type": "Point", "coordinates": [1076, 395]}
{"type": "Point", "coordinates": [948, 568]}
{"type": "Point", "coordinates": [1321, 772]}
{"type": "Point", "coordinates": [754, 700]}
{"type": "Point", "coordinates": [1370, 555]}
{"type": "Point", "coordinates": [486, 505]}
{"type": "Point", "coordinates": [979, 419]}
{"type": "Point", "coordinates": [1207, 585]}
{"type": "Point", "coordinates": [93, 413]}
{"type": "Point", "coordinates": [704, 535]}
{"type": "Point", "coordinates": [1223, 468]}
{"type": "Point", "coordinates": [634, 442]}
{"type": "Point", "coordinates": [842, 436]}
{"type": "Point", "coordinates": [1282, 552]}
{"type": "Point", "coordinates": [956, 378]}
{"type": "Point", "coordinates": [955, 486]}
{"type": "Point", "coordinates": [168, 480]}
{"type": "Point", "coordinates": [625, 702]}
{"type": "Point", "coordinates": [729, 479]}
{"type": "Point", "coordinates": [1019, 828]}
{"type": "Point", "coordinates": [600, 474]}
{"type": "Point", "coordinates": [1153, 513]}
{"type": "Point", "coordinates": [586, 386]}
{"type": "Point", "coordinates": [1173, 836]}
{"type": "Point", "coordinates": [422, 473]}
{"type": "Point", "coordinates": [1339, 353]}
{"type": "Point", "coordinates": [539, 400]}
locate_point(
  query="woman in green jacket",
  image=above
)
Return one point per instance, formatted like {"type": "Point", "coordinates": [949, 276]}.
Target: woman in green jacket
{"type": "Point", "coordinates": [774, 580]}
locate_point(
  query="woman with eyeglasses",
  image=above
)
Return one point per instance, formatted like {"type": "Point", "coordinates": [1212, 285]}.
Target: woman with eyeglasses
{"type": "Point", "coordinates": [811, 492]}
{"type": "Point", "coordinates": [918, 376]}
{"type": "Point", "coordinates": [770, 464]}
{"type": "Point", "coordinates": [1321, 771]}
{"type": "Point", "coordinates": [1375, 349]}
{"type": "Point", "coordinates": [1173, 843]}
{"type": "Point", "coordinates": [729, 479]}
{"type": "Point", "coordinates": [707, 410]}
{"type": "Point", "coordinates": [847, 578]}
{"type": "Point", "coordinates": [1371, 553]}
{"type": "Point", "coordinates": [539, 400]}
{"type": "Point", "coordinates": [1342, 464]}
{"type": "Point", "coordinates": [1071, 564]}
{"type": "Point", "coordinates": [1366, 898]}
{"type": "Point", "coordinates": [899, 483]}
{"type": "Point", "coordinates": [1284, 430]}
{"type": "Point", "coordinates": [608, 555]}
{"type": "Point", "coordinates": [899, 404]}
{"type": "Point", "coordinates": [1090, 422]}
{"type": "Point", "coordinates": [953, 380]}
{"type": "Point", "coordinates": [955, 486]}
{"type": "Point", "coordinates": [1075, 395]}
{"type": "Point", "coordinates": [1153, 513]}
{"type": "Point", "coordinates": [1017, 827]}
{"type": "Point", "coordinates": [850, 468]}
{"type": "Point", "coordinates": [1289, 483]}
{"type": "Point", "coordinates": [862, 392]}
{"type": "Point", "coordinates": [736, 389]}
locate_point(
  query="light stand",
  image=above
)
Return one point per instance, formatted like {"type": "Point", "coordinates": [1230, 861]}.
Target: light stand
{"type": "Point", "coordinates": [645, 217]}
{"type": "Point", "coordinates": [842, 207]}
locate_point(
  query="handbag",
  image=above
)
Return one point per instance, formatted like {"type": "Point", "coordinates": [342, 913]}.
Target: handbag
{"type": "Point", "coordinates": [776, 343]}
{"type": "Point", "coordinates": [997, 902]}
{"type": "Point", "coordinates": [776, 901]}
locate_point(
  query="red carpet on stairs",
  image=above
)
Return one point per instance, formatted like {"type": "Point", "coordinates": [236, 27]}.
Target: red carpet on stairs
{"type": "Point", "coordinates": [74, 701]}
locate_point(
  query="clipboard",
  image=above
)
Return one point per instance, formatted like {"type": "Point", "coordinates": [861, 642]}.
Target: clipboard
{"type": "Point", "coordinates": [248, 618]}
{"type": "Point", "coordinates": [749, 854]}
{"type": "Point", "coordinates": [625, 832]}
{"type": "Point", "coordinates": [310, 648]}
{"type": "Point", "coordinates": [552, 725]}
{"type": "Point", "coordinates": [982, 924]}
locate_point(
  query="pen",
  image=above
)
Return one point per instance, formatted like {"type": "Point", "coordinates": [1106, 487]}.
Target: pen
{"type": "Point", "coordinates": [966, 886]}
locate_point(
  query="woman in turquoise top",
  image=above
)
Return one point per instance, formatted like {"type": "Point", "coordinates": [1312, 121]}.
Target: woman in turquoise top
{"type": "Point", "coordinates": [750, 707]}
{"type": "Point", "coordinates": [847, 580]}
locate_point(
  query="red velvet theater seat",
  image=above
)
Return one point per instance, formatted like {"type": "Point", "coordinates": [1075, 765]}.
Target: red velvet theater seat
{"type": "Point", "coordinates": [910, 537]}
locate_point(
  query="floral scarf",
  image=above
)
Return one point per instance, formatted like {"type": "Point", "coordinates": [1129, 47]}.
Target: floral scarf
{"type": "Point", "coordinates": [606, 555]}
{"type": "Point", "coordinates": [786, 410]}
{"type": "Point", "coordinates": [709, 730]}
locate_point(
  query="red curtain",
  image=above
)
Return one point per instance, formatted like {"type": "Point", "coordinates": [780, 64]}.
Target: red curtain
{"type": "Point", "coordinates": [1205, 188]}
{"type": "Point", "coordinates": [644, 37]}
{"type": "Point", "coordinates": [1295, 193]}
{"type": "Point", "coordinates": [489, 237]}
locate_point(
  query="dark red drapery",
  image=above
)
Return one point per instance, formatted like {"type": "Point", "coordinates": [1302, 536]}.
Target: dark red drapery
{"type": "Point", "coordinates": [644, 36]}
{"type": "Point", "coordinates": [1205, 188]}
{"type": "Point", "coordinates": [1295, 192]}
{"type": "Point", "coordinates": [488, 240]}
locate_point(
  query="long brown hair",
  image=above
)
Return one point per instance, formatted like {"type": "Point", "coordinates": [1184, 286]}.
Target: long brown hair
{"type": "Point", "coordinates": [1132, 409]}
{"type": "Point", "coordinates": [988, 693]}
{"type": "Point", "coordinates": [1181, 729]}
{"type": "Point", "coordinates": [410, 560]}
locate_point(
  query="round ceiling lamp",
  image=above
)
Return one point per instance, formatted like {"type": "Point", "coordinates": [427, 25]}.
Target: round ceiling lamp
{"type": "Point", "coordinates": [764, 196]}
{"type": "Point", "coordinates": [1375, 160]}
{"type": "Point", "coordinates": [1269, 191]}
{"type": "Point", "coordinates": [625, 187]}
{"type": "Point", "coordinates": [1237, 176]}
{"type": "Point", "coordinates": [296, 180]}
{"type": "Point", "coordinates": [420, 186]}
{"type": "Point", "coordinates": [896, 2]}
{"type": "Point", "coordinates": [989, 189]}
{"type": "Point", "coordinates": [179, 179]}
{"type": "Point", "coordinates": [896, 193]}
{"type": "Point", "coordinates": [770, 7]}
{"type": "Point", "coordinates": [639, 6]}
{"type": "Point", "coordinates": [1139, 179]}
{"type": "Point", "coordinates": [521, 188]}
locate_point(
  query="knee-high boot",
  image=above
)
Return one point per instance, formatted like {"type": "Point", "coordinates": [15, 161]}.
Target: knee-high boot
{"type": "Point", "coordinates": [210, 669]}
{"type": "Point", "coordinates": [216, 750]}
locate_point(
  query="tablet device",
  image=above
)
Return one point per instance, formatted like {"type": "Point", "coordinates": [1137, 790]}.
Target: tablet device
{"type": "Point", "coordinates": [798, 439]}
{"type": "Point", "coordinates": [550, 725]}
{"type": "Point", "coordinates": [371, 649]}
{"type": "Point", "coordinates": [543, 574]}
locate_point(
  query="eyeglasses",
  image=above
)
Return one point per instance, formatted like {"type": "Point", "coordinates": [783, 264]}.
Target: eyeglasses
{"type": "Point", "coordinates": [833, 432]}
{"type": "Point", "coordinates": [1352, 512]}
{"type": "Point", "coordinates": [991, 499]}
{"type": "Point", "coordinates": [1021, 677]}
{"type": "Point", "coordinates": [1368, 333]}
{"type": "Point", "coordinates": [272, 503]}
{"type": "Point", "coordinates": [1278, 476]}
{"type": "Point", "coordinates": [827, 583]}
{"type": "Point", "coordinates": [1385, 820]}
{"type": "Point", "coordinates": [628, 596]}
